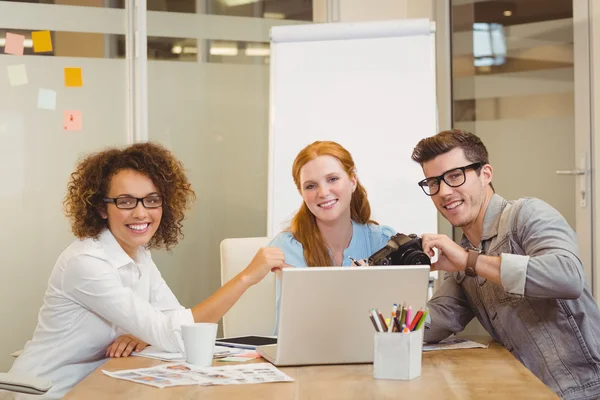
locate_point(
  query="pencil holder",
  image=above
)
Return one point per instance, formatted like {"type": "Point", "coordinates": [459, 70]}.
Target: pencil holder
{"type": "Point", "coordinates": [397, 355]}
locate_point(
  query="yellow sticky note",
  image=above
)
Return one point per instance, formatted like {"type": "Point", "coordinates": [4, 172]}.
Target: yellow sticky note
{"type": "Point", "coordinates": [73, 77]}
{"type": "Point", "coordinates": [42, 42]}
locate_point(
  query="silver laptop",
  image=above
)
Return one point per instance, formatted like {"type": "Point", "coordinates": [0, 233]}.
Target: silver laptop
{"type": "Point", "coordinates": [324, 314]}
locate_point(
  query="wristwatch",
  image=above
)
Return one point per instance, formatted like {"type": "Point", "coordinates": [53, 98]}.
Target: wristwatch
{"type": "Point", "coordinates": [471, 263]}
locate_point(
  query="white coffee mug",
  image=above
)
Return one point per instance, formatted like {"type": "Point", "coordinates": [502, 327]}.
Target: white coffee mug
{"type": "Point", "coordinates": [198, 342]}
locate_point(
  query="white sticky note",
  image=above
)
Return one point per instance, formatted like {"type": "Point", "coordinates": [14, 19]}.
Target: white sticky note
{"type": "Point", "coordinates": [47, 99]}
{"type": "Point", "coordinates": [17, 74]}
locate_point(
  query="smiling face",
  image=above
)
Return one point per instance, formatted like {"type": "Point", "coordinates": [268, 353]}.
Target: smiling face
{"type": "Point", "coordinates": [135, 227]}
{"type": "Point", "coordinates": [326, 188]}
{"type": "Point", "coordinates": [462, 205]}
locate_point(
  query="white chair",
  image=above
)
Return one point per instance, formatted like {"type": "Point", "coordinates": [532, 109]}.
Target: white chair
{"type": "Point", "coordinates": [254, 312]}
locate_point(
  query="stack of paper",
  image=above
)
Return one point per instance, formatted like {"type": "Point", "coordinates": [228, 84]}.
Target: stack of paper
{"type": "Point", "coordinates": [452, 344]}
{"type": "Point", "coordinates": [151, 352]}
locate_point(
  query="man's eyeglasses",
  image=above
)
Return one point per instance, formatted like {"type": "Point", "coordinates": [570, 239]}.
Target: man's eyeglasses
{"type": "Point", "coordinates": [129, 203]}
{"type": "Point", "coordinates": [453, 178]}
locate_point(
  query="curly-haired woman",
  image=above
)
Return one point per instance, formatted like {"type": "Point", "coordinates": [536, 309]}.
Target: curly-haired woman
{"type": "Point", "coordinates": [105, 296]}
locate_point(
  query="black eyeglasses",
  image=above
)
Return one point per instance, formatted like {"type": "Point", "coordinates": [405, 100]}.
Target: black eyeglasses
{"type": "Point", "coordinates": [129, 203]}
{"type": "Point", "coordinates": [453, 178]}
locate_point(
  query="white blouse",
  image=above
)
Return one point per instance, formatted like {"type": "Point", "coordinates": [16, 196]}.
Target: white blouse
{"type": "Point", "coordinates": [96, 293]}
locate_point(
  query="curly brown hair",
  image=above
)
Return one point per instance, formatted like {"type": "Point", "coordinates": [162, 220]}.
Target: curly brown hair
{"type": "Point", "coordinates": [89, 186]}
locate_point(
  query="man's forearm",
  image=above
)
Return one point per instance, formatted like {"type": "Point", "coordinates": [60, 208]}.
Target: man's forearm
{"type": "Point", "coordinates": [488, 267]}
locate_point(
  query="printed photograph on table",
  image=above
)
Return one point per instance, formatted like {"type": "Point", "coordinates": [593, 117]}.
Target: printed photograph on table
{"type": "Point", "coordinates": [205, 376]}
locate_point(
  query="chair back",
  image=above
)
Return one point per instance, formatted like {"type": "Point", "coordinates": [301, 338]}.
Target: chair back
{"type": "Point", "coordinates": [254, 312]}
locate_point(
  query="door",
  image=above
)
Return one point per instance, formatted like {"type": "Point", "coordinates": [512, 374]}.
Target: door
{"type": "Point", "coordinates": [520, 81]}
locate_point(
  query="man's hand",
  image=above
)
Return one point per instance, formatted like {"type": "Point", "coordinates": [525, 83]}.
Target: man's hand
{"type": "Point", "coordinates": [451, 257]}
{"type": "Point", "coordinates": [124, 345]}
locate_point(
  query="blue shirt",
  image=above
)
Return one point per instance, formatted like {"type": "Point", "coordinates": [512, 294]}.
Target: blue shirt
{"type": "Point", "coordinates": [366, 240]}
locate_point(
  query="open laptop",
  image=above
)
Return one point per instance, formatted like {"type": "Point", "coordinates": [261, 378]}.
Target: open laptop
{"type": "Point", "coordinates": [324, 314]}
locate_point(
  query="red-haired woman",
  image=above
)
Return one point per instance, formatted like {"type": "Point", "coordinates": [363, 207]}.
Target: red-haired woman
{"type": "Point", "coordinates": [333, 225]}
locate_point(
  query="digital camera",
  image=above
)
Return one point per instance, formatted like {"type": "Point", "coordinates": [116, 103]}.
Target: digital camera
{"type": "Point", "coordinates": [401, 249]}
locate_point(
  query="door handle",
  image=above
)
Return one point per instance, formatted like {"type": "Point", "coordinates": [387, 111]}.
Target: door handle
{"type": "Point", "coordinates": [573, 172]}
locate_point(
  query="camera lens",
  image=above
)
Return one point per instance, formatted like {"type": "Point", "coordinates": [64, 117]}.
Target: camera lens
{"type": "Point", "coordinates": [415, 257]}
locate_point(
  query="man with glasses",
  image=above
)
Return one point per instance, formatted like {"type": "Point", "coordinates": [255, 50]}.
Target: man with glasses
{"type": "Point", "coordinates": [517, 269]}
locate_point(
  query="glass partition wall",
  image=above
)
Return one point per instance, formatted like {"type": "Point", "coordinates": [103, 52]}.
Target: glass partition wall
{"type": "Point", "coordinates": [80, 76]}
{"type": "Point", "coordinates": [209, 105]}
{"type": "Point", "coordinates": [519, 68]}
{"type": "Point", "coordinates": [207, 100]}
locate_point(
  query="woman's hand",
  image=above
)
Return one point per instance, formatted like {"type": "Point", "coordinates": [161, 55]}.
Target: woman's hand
{"type": "Point", "coordinates": [267, 259]}
{"type": "Point", "coordinates": [124, 345]}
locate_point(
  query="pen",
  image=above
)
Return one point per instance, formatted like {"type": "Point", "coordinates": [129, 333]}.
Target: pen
{"type": "Point", "coordinates": [373, 321]}
{"type": "Point", "coordinates": [383, 324]}
{"type": "Point", "coordinates": [415, 320]}
{"type": "Point", "coordinates": [402, 316]}
{"type": "Point", "coordinates": [354, 261]}
{"type": "Point", "coordinates": [422, 320]}
{"type": "Point", "coordinates": [375, 317]}
{"type": "Point", "coordinates": [405, 329]}
{"type": "Point", "coordinates": [393, 319]}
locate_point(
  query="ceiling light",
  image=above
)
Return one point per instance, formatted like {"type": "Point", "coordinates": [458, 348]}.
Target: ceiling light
{"type": "Point", "coordinates": [258, 52]}
{"type": "Point", "coordinates": [507, 13]}
{"type": "Point", "coordinates": [223, 50]}
{"type": "Point", "coordinates": [176, 50]}
{"type": "Point", "coordinates": [190, 50]}
{"type": "Point", "coordinates": [272, 15]}
{"type": "Point", "coordinates": [26, 42]}
{"type": "Point", "coordinates": [234, 3]}
{"type": "Point", "coordinates": [257, 49]}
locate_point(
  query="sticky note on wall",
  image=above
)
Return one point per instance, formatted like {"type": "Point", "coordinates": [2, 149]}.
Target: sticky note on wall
{"type": "Point", "coordinates": [17, 74]}
{"type": "Point", "coordinates": [73, 77]}
{"type": "Point", "coordinates": [14, 44]}
{"type": "Point", "coordinates": [42, 41]}
{"type": "Point", "coordinates": [47, 99]}
{"type": "Point", "coordinates": [72, 120]}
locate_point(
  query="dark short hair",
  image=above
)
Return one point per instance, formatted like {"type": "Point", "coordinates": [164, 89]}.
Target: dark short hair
{"type": "Point", "coordinates": [429, 148]}
{"type": "Point", "coordinates": [89, 186]}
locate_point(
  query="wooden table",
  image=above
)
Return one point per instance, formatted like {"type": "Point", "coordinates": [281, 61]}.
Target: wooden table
{"type": "Point", "coordinates": [491, 373]}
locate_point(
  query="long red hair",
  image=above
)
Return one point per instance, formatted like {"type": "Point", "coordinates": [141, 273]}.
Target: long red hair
{"type": "Point", "coordinates": [304, 224]}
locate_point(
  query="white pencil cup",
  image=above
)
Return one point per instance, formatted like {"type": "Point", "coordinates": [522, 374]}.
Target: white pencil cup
{"type": "Point", "coordinates": [397, 355]}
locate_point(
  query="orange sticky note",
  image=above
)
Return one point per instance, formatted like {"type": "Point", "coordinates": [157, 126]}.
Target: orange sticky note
{"type": "Point", "coordinates": [14, 44]}
{"type": "Point", "coordinates": [73, 77]}
{"type": "Point", "coordinates": [72, 120]}
{"type": "Point", "coordinates": [42, 41]}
